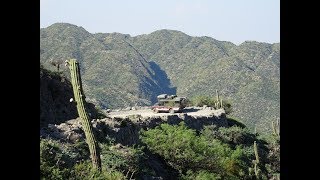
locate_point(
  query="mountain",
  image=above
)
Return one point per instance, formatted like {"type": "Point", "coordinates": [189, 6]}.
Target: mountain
{"type": "Point", "coordinates": [119, 70]}
{"type": "Point", "coordinates": [248, 74]}
{"type": "Point", "coordinates": [114, 73]}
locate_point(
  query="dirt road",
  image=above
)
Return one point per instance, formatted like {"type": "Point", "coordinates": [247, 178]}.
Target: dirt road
{"type": "Point", "coordinates": [191, 111]}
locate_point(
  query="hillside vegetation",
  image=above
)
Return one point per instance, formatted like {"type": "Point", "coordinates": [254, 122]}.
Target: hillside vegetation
{"type": "Point", "coordinates": [119, 70]}
{"type": "Point", "coordinates": [166, 147]}
{"type": "Point", "coordinates": [166, 151]}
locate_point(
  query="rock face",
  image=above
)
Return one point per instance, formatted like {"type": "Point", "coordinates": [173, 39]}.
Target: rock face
{"type": "Point", "coordinates": [55, 94]}
{"type": "Point", "coordinates": [125, 130]}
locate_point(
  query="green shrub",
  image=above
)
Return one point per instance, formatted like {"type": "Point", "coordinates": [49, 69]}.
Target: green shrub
{"type": "Point", "coordinates": [84, 171]}
{"type": "Point", "coordinates": [175, 143]}
{"type": "Point", "coordinates": [210, 102]}
{"type": "Point", "coordinates": [201, 175]}
{"type": "Point", "coordinates": [52, 161]}
{"type": "Point", "coordinates": [232, 121]}
{"type": "Point", "coordinates": [122, 158]}
{"type": "Point", "coordinates": [71, 161]}
{"type": "Point", "coordinates": [203, 100]}
{"type": "Point", "coordinates": [233, 135]}
{"type": "Point", "coordinates": [184, 150]}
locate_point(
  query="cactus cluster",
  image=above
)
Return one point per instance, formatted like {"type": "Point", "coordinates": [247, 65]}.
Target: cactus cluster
{"type": "Point", "coordinates": [85, 119]}
{"type": "Point", "coordinates": [218, 104]}
{"type": "Point", "coordinates": [256, 161]}
{"type": "Point", "coordinates": [276, 128]}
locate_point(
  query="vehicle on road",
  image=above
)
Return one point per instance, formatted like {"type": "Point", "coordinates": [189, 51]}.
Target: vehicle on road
{"type": "Point", "coordinates": [169, 103]}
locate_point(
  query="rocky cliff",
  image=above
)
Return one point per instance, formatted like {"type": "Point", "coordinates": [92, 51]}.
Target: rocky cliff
{"type": "Point", "coordinates": [125, 130]}
{"type": "Point", "coordinates": [55, 94]}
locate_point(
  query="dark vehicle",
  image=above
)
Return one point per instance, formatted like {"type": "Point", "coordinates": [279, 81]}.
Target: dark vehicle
{"type": "Point", "coordinates": [169, 103]}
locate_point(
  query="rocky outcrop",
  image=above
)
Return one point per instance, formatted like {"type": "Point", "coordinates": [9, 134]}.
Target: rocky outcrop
{"type": "Point", "coordinates": [126, 130]}
{"type": "Point", "coordinates": [55, 94]}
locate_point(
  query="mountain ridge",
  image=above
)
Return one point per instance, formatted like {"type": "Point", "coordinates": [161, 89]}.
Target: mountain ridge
{"type": "Point", "coordinates": [121, 70]}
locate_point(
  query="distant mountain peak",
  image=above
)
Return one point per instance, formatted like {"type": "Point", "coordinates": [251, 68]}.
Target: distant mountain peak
{"type": "Point", "coordinates": [60, 27]}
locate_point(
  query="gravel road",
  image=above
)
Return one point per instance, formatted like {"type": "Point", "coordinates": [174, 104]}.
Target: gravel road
{"type": "Point", "coordinates": [191, 111]}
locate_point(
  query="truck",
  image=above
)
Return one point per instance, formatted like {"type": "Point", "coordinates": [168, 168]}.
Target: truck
{"type": "Point", "coordinates": [169, 103]}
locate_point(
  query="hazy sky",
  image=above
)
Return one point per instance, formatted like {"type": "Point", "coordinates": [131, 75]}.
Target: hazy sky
{"type": "Point", "coordinates": [225, 20]}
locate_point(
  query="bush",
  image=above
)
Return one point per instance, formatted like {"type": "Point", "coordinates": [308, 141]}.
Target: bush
{"type": "Point", "coordinates": [70, 161]}
{"type": "Point", "coordinates": [84, 171]}
{"type": "Point", "coordinates": [232, 121]}
{"type": "Point", "coordinates": [175, 143]}
{"type": "Point", "coordinates": [210, 102]}
{"type": "Point", "coordinates": [203, 100]}
{"type": "Point", "coordinates": [52, 161]}
{"type": "Point", "coordinates": [233, 135]}
{"type": "Point", "coordinates": [201, 175]}
{"type": "Point", "coordinates": [122, 158]}
{"type": "Point", "coordinates": [186, 151]}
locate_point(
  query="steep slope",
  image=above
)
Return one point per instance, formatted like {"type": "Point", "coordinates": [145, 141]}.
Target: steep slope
{"type": "Point", "coordinates": [55, 94]}
{"type": "Point", "coordinates": [120, 70]}
{"type": "Point", "coordinates": [114, 72]}
{"type": "Point", "coordinates": [248, 74]}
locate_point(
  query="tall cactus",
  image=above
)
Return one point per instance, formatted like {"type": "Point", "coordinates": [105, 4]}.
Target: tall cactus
{"type": "Point", "coordinates": [217, 99]}
{"type": "Point", "coordinates": [276, 128]}
{"type": "Point", "coordinates": [215, 105]}
{"type": "Point", "coordinates": [256, 151]}
{"type": "Point", "coordinates": [86, 123]}
{"type": "Point", "coordinates": [256, 162]}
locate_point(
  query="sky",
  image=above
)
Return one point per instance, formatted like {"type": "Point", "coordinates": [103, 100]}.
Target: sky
{"type": "Point", "coordinates": [225, 20]}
